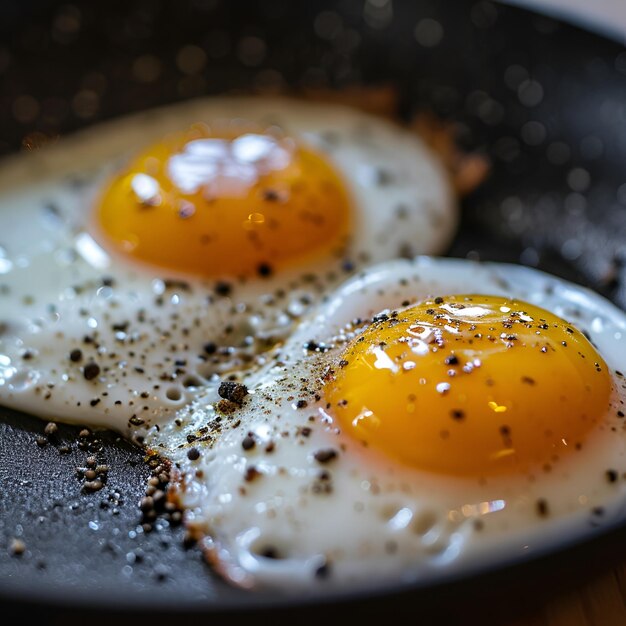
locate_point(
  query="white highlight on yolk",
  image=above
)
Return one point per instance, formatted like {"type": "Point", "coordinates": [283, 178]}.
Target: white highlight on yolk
{"type": "Point", "coordinates": [228, 168]}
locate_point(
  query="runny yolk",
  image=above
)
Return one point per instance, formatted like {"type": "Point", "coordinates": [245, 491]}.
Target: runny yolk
{"type": "Point", "coordinates": [470, 385]}
{"type": "Point", "coordinates": [226, 201]}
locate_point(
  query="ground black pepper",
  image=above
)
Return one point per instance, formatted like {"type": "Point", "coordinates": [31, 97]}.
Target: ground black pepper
{"type": "Point", "coordinates": [91, 370]}
{"type": "Point", "coordinates": [193, 454]}
{"type": "Point", "coordinates": [325, 456]}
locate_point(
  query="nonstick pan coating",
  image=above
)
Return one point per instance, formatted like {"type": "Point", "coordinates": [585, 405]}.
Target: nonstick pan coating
{"type": "Point", "coordinates": [545, 101]}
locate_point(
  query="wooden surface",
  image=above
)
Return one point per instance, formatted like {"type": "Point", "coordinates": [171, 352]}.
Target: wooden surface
{"type": "Point", "coordinates": [599, 602]}
{"type": "Point", "coordinates": [584, 588]}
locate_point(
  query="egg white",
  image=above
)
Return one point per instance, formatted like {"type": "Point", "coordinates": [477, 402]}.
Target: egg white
{"type": "Point", "coordinates": [60, 292]}
{"type": "Point", "coordinates": [273, 515]}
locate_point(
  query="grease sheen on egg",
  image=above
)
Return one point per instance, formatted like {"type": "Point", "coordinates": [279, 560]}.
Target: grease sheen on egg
{"type": "Point", "coordinates": [470, 385]}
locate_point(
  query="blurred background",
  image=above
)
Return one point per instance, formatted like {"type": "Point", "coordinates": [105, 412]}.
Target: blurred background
{"type": "Point", "coordinates": [64, 65]}
{"type": "Point", "coordinates": [608, 17]}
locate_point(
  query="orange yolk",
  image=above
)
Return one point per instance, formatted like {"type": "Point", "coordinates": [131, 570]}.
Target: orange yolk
{"type": "Point", "coordinates": [470, 385]}
{"type": "Point", "coordinates": [231, 201]}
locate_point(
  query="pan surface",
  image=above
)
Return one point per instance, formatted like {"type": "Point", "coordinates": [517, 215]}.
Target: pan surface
{"type": "Point", "coordinates": [545, 101]}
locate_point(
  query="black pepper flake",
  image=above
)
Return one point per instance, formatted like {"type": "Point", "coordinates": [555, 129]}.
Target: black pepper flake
{"type": "Point", "coordinates": [457, 414]}
{"type": "Point", "coordinates": [313, 346]}
{"type": "Point", "coordinates": [438, 300]}
{"type": "Point", "coordinates": [620, 414]}
{"type": "Point", "coordinates": [301, 404]}
{"type": "Point", "coordinates": [91, 370]}
{"type": "Point", "coordinates": [76, 355]}
{"type": "Point", "coordinates": [542, 508]}
{"type": "Point", "coordinates": [325, 456]}
{"type": "Point", "coordinates": [210, 347]}
{"type": "Point", "coordinates": [222, 288]}
{"type": "Point", "coordinates": [193, 454]}
{"type": "Point", "coordinates": [527, 380]}
{"type": "Point", "coordinates": [505, 431]}
{"type": "Point", "coordinates": [451, 360]}
{"type": "Point", "coordinates": [251, 474]}
{"type": "Point", "coordinates": [248, 442]}
{"type": "Point", "coordinates": [94, 402]}
{"type": "Point", "coordinates": [383, 177]}
{"type": "Point", "coordinates": [234, 392]}
{"type": "Point", "coordinates": [271, 195]}
{"type": "Point", "coordinates": [611, 475]}
{"type": "Point", "coordinates": [323, 484]}
{"type": "Point", "coordinates": [264, 270]}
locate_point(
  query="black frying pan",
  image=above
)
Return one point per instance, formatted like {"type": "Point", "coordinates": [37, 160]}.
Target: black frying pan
{"type": "Point", "coordinates": [546, 102]}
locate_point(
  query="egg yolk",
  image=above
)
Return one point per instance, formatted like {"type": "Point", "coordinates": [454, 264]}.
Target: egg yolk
{"type": "Point", "coordinates": [470, 385]}
{"type": "Point", "coordinates": [228, 200]}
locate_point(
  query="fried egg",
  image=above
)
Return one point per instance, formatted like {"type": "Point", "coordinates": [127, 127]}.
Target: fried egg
{"type": "Point", "coordinates": [143, 258]}
{"type": "Point", "coordinates": [430, 419]}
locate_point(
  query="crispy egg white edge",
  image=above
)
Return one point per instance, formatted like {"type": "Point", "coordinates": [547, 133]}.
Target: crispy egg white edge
{"type": "Point", "coordinates": [230, 543]}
